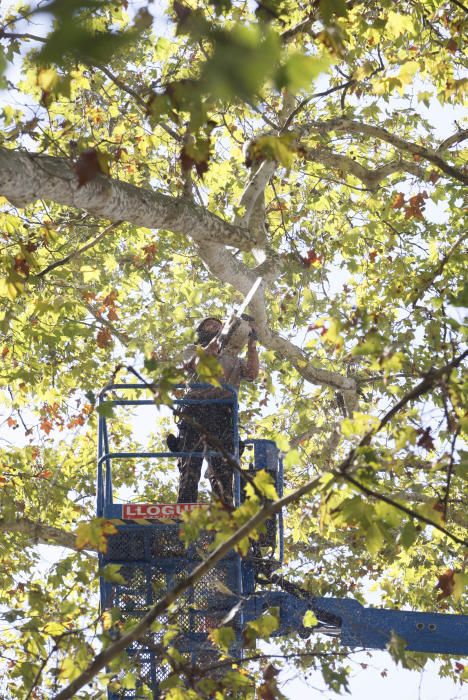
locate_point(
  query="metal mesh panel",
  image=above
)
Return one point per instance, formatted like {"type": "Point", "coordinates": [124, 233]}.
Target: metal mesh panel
{"type": "Point", "coordinates": [125, 548]}
{"type": "Point", "coordinates": [153, 561]}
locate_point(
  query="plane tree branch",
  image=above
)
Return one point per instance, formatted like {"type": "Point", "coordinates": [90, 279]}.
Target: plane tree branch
{"type": "Point", "coordinates": [350, 126]}
{"type": "Point", "coordinates": [39, 533]}
{"type": "Point", "coordinates": [370, 178]}
{"type": "Point", "coordinates": [26, 177]}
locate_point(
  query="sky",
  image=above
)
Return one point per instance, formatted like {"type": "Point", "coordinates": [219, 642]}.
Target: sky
{"type": "Point", "coordinates": [374, 675]}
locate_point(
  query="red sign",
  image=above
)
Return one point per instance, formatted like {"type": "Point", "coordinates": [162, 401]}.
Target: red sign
{"type": "Point", "coordinates": [157, 510]}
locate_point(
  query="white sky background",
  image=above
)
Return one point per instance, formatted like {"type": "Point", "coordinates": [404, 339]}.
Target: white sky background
{"type": "Point", "coordinates": [368, 683]}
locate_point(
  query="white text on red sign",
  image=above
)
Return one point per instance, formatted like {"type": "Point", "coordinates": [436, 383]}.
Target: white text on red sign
{"type": "Point", "coordinates": [158, 510]}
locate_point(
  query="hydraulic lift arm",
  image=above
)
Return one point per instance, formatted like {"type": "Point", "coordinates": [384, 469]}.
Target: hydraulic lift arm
{"type": "Point", "coordinates": [357, 626]}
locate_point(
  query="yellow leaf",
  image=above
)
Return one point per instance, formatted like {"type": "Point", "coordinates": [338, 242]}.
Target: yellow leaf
{"type": "Point", "coordinates": [332, 335]}
{"type": "Point", "coordinates": [359, 424]}
{"type": "Point", "coordinates": [407, 72]}
{"type": "Point", "coordinates": [223, 637]}
{"type": "Point", "coordinates": [264, 483]}
{"type": "Point", "coordinates": [374, 539]}
{"type": "Point", "coordinates": [54, 629]}
{"type": "Point", "coordinates": [103, 160]}
{"type": "Point", "coordinates": [460, 582]}
{"type": "Point", "coordinates": [107, 620]}
{"type": "Point", "coordinates": [90, 273]}
{"type": "Point", "coordinates": [10, 289]}
{"type": "Point", "coordinates": [95, 534]}
{"type": "Point", "coordinates": [69, 670]}
{"type": "Point", "coordinates": [47, 79]}
{"type": "Point", "coordinates": [310, 619]}
{"type": "Point", "coordinates": [398, 24]}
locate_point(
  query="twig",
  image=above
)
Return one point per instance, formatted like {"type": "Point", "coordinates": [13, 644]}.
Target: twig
{"type": "Point", "coordinates": [133, 93]}
{"type": "Point", "coordinates": [452, 140]}
{"type": "Point", "coordinates": [427, 383]}
{"type": "Point", "coordinates": [439, 269]}
{"type": "Point", "coordinates": [15, 35]}
{"type": "Point", "coordinates": [414, 514]}
{"type": "Point", "coordinates": [78, 252]}
{"type": "Point", "coordinates": [40, 670]}
{"type": "Point", "coordinates": [306, 100]}
{"type": "Point", "coordinates": [121, 337]}
{"type": "Point", "coordinates": [450, 471]}
{"type": "Point", "coordinates": [460, 5]}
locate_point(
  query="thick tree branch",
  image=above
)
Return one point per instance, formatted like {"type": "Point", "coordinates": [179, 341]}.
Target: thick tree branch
{"type": "Point", "coordinates": [254, 188]}
{"type": "Point", "coordinates": [342, 124]}
{"type": "Point", "coordinates": [370, 178]}
{"type": "Point", "coordinates": [27, 177]}
{"type": "Point", "coordinates": [228, 269]}
{"type": "Point", "coordinates": [39, 533]}
{"type": "Point", "coordinates": [252, 198]}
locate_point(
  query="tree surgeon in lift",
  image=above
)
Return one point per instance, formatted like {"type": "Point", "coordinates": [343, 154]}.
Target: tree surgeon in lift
{"type": "Point", "coordinates": [216, 419]}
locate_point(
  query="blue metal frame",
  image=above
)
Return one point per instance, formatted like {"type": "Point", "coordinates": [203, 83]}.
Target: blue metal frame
{"type": "Point", "coordinates": [105, 456]}
{"type": "Point", "coordinates": [355, 625]}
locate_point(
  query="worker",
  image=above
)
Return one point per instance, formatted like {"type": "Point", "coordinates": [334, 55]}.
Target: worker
{"type": "Point", "coordinates": [216, 419]}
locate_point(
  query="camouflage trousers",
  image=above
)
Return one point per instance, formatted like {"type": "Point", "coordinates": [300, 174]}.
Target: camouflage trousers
{"type": "Point", "coordinates": [216, 420]}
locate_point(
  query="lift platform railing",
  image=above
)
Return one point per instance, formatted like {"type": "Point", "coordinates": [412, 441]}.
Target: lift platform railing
{"type": "Point", "coordinates": [106, 455]}
{"type": "Point", "coordinates": [265, 456]}
{"type": "Point", "coordinates": [152, 558]}
{"type": "Point", "coordinates": [148, 549]}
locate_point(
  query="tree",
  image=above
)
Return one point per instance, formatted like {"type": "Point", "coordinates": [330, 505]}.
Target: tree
{"type": "Point", "coordinates": [151, 168]}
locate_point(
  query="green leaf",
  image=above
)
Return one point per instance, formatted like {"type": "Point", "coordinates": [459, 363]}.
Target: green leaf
{"type": "Point", "coordinates": [265, 484]}
{"type": "Point", "coordinates": [359, 424]}
{"type": "Point", "coordinates": [408, 535]}
{"type": "Point", "coordinates": [105, 409]}
{"type": "Point", "coordinates": [460, 582]}
{"type": "Point", "coordinates": [461, 299]}
{"type": "Point", "coordinates": [279, 148]}
{"type": "Point", "coordinates": [374, 539]}
{"type": "Point", "coordinates": [110, 572]}
{"type": "Point", "coordinates": [329, 8]}
{"type": "Point", "coordinates": [262, 627]}
{"type": "Point", "coordinates": [462, 468]}
{"type": "Point", "coordinates": [129, 681]}
{"type": "Point", "coordinates": [223, 637]}
{"type": "Point", "coordinates": [208, 368]}
{"type": "Point", "coordinates": [242, 60]}
{"type": "Point", "coordinates": [300, 71]}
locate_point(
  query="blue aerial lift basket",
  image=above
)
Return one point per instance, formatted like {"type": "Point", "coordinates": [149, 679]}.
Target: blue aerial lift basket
{"type": "Point", "coordinates": [153, 560]}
